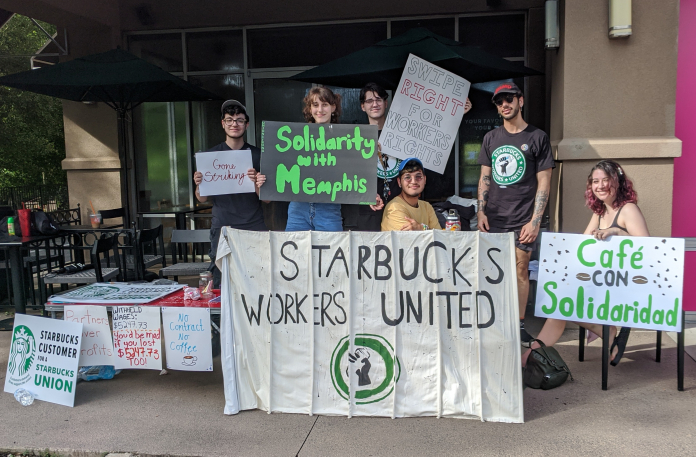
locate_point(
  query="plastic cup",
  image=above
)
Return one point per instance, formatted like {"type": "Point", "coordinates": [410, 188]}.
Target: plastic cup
{"type": "Point", "coordinates": [95, 220]}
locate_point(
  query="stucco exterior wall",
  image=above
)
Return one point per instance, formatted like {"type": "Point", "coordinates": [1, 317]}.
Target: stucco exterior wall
{"type": "Point", "coordinates": [615, 99]}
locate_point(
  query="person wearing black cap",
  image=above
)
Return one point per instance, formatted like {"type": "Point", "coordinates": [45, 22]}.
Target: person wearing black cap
{"type": "Point", "coordinates": [406, 212]}
{"type": "Point", "coordinates": [240, 211]}
{"type": "Point", "coordinates": [516, 166]}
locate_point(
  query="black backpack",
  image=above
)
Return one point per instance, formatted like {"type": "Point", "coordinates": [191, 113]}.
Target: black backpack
{"type": "Point", "coordinates": [43, 223]}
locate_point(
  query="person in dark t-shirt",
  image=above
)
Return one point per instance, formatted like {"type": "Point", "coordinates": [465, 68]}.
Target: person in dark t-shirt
{"type": "Point", "coordinates": [240, 211]}
{"type": "Point", "coordinates": [516, 166]}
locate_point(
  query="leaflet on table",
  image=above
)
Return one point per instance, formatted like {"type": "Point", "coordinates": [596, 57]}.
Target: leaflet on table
{"type": "Point", "coordinates": [115, 294]}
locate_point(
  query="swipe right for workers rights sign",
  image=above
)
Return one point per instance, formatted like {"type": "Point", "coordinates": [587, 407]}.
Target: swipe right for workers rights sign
{"type": "Point", "coordinates": [424, 117]}
{"type": "Point", "coordinates": [625, 281]}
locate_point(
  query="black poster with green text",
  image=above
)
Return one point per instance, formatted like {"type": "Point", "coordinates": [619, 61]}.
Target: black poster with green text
{"type": "Point", "coordinates": [319, 163]}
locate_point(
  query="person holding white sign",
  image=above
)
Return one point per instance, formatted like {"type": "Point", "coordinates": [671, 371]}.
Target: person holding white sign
{"type": "Point", "coordinates": [406, 212]}
{"type": "Point", "coordinates": [240, 211]}
{"type": "Point", "coordinates": [516, 166]}
{"type": "Point", "coordinates": [611, 197]}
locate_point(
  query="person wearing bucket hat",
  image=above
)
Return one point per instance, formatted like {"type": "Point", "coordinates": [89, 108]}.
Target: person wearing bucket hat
{"type": "Point", "coordinates": [406, 212]}
{"type": "Point", "coordinates": [240, 211]}
{"type": "Point", "coordinates": [516, 166]}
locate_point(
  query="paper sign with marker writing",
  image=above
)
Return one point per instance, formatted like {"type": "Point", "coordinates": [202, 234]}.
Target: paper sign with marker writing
{"type": "Point", "coordinates": [43, 358]}
{"type": "Point", "coordinates": [137, 337]}
{"type": "Point", "coordinates": [224, 172]}
{"type": "Point", "coordinates": [424, 117]}
{"type": "Point", "coordinates": [624, 280]}
{"type": "Point", "coordinates": [187, 339]}
{"type": "Point", "coordinates": [97, 346]}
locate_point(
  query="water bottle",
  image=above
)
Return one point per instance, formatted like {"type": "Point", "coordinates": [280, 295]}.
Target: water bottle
{"type": "Point", "coordinates": [23, 396]}
{"type": "Point", "coordinates": [452, 222]}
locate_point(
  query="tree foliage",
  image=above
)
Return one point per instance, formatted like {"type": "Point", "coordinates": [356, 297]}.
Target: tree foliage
{"type": "Point", "coordinates": [32, 142]}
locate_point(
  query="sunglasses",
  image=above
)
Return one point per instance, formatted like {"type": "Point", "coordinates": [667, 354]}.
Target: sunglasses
{"type": "Point", "coordinates": [507, 97]}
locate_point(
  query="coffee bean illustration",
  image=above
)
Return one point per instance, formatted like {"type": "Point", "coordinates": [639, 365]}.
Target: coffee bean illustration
{"type": "Point", "coordinates": [583, 276]}
{"type": "Point", "coordinates": [640, 280]}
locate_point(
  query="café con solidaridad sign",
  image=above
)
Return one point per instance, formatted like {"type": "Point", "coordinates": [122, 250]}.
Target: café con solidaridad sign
{"type": "Point", "coordinates": [623, 281]}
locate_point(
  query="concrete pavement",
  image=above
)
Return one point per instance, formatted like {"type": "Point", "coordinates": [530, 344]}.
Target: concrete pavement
{"type": "Point", "coordinates": [142, 412]}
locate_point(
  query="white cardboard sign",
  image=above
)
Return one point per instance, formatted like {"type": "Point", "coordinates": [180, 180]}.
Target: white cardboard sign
{"type": "Point", "coordinates": [624, 281]}
{"type": "Point", "coordinates": [224, 172]}
{"type": "Point", "coordinates": [395, 324]}
{"type": "Point", "coordinates": [97, 346]}
{"type": "Point", "coordinates": [43, 359]}
{"type": "Point", "coordinates": [187, 339]}
{"type": "Point", "coordinates": [137, 337]}
{"type": "Point", "coordinates": [424, 117]}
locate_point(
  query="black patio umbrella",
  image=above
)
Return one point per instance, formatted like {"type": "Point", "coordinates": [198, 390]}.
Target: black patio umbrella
{"type": "Point", "coordinates": [384, 62]}
{"type": "Point", "coordinates": [117, 78]}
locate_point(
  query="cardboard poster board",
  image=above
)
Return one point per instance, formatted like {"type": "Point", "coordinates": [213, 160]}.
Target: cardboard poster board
{"type": "Point", "coordinates": [425, 114]}
{"type": "Point", "coordinates": [394, 324]}
{"type": "Point", "coordinates": [137, 337]}
{"type": "Point", "coordinates": [115, 294]}
{"type": "Point", "coordinates": [97, 347]}
{"type": "Point", "coordinates": [623, 281]}
{"type": "Point", "coordinates": [43, 359]}
{"type": "Point", "coordinates": [224, 172]}
{"type": "Point", "coordinates": [328, 163]}
{"type": "Point", "coordinates": [187, 339]}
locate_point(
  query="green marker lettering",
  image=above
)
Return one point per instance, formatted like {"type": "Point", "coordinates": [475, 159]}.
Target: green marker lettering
{"type": "Point", "coordinates": [581, 247]}
{"type": "Point", "coordinates": [281, 137]}
{"type": "Point", "coordinates": [292, 176]}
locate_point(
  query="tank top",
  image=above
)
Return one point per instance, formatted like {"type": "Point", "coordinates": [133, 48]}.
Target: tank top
{"type": "Point", "coordinates": [614, 224]}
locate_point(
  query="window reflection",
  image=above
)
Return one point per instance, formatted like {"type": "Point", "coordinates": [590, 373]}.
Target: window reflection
{"type": "Point", "coordinates": [215, 51]}
{"type": "Point", "coordinates": [162, 50]}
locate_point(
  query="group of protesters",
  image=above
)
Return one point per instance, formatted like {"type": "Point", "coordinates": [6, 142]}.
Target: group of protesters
{"type": "Point", "coordinates": [516, 168]}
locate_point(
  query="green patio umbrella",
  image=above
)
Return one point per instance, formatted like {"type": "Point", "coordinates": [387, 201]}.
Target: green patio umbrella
{"type": "Point", "coordinates": [384, 62]}
{"type": "Point", "coordinates": [117, 78]}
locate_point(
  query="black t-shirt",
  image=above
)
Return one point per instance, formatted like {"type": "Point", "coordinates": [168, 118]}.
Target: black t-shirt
{"type": "Point", "coordinates": [240, 211]}
{"type": "Point", "coordinates": [515, 160]}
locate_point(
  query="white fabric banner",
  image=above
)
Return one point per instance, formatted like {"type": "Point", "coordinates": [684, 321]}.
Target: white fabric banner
{"type": "Point", "coordinates": [424, 118]}
{"type": "Point", "coordinates": [394, 324]}
{"type": "Point", "coordinates": [625, 280]}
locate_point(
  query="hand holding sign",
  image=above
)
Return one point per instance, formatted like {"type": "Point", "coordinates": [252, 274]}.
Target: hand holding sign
{"type": "Point", "coordinates": [224, 172]}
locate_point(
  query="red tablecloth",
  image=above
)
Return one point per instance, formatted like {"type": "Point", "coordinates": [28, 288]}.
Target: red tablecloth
{"type": "Point", "coordinates": [175, 299]}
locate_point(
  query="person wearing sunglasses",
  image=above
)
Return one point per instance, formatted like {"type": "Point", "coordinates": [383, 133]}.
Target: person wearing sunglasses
{"type": "Point", "coordinates": [516, 166]}
{"type": "Point", "coordinates": [406, 212]}
{"type": "Point", "coordinates": [240, 211]}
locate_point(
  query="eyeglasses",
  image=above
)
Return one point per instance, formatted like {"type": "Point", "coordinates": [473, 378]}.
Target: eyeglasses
{"type": "Point", "coordinates": [374, 101]}
{"type": "Point", "coordinates": [408, 178]}
{"type": "Point", "coordinates": [230, 122]}
{"type": "Point", "coordinates": [507, 97]}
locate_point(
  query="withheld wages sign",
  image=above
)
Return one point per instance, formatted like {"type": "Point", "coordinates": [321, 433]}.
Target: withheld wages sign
{"type": "Point", "coordinates": [624, 281]}
{"type": "Point", "coordinates": [424, 118]}
{"type": "Point", "coordinates": [329, 163]}
{"type": "Point", "coordinates": [388, 324]}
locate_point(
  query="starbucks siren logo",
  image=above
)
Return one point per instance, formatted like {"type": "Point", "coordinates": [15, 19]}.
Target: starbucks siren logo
{"type": "Point", "coordinates": [509, 165]}
{"type": "Point", "coordinates": [388, 167]}
{"type": "Point", "coordinates": [372, 366]}
{"type": "Point", "coordinates": [22, 352]}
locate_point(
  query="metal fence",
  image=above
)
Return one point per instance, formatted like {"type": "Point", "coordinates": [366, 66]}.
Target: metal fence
{"type": "Point", "coordinates": [45, 197]}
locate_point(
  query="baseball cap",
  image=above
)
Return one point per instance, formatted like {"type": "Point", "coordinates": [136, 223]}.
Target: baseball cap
{"type": "Point", "coordinates": [232, 103]}
{"type": "Point", "coordinates": [412, 161]}
{"type": "Point", "coordinates": [506, 88]}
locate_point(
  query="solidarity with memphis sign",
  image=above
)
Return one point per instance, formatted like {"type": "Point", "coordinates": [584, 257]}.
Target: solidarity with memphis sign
{"type": "Point", "coordinates": [395, 324]}
{"type": "Point", "coordinates": [425, 115]}
{"type": "Point", "coordinates": [624, 281]}
{"type": "Point", "coordinates": [320, 163]}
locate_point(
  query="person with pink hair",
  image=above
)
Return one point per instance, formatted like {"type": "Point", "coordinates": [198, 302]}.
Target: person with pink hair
{"type": "Point", "coordinates": [611, 197]}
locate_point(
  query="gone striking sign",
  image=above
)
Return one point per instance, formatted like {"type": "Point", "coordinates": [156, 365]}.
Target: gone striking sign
{"type": "Point", "coordinates": [320, 163]}
{"type": "Point", "coordinates": [424, 118]}
{"type": "Point", "coordinates": [224, 172]}
{"type": "Point", "coordinates": [624, 281]}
